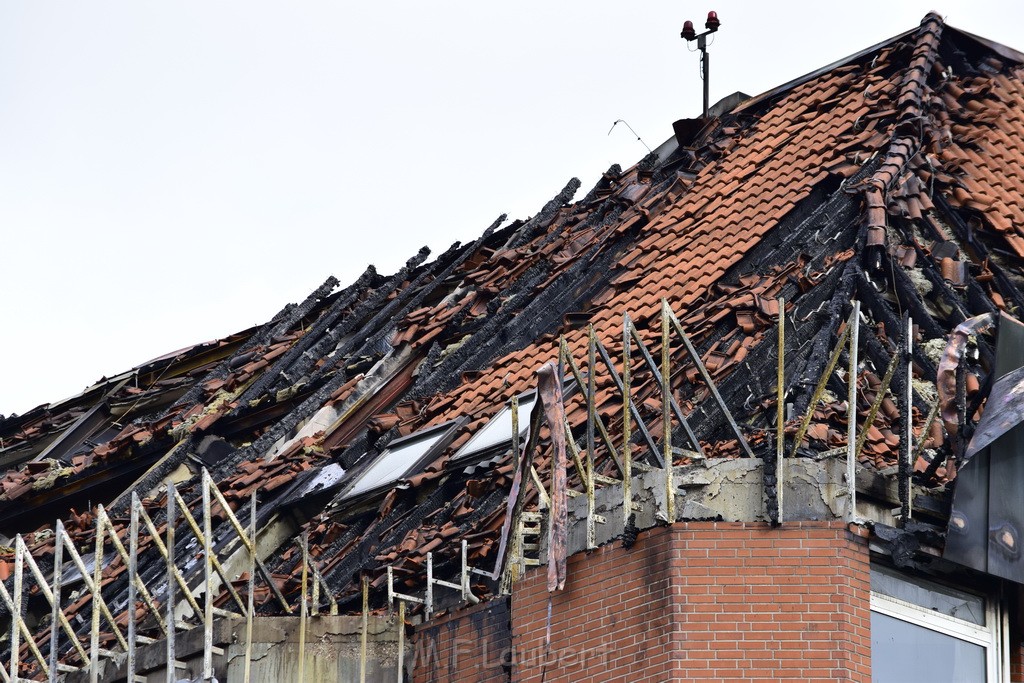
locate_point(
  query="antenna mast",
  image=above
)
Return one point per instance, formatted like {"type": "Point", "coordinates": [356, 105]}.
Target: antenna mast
{"type": "Point", "coordinates": [688, 34]}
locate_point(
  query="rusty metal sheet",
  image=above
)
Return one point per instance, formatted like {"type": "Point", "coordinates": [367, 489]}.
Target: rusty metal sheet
{"type": "Point", "coordinates": [946, 375]}
{"type": "Point", "coordinates": [549, 388]}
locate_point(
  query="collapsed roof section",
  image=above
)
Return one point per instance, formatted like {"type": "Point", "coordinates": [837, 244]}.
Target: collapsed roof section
{"type": "Point", "coordinates": [893, 178]}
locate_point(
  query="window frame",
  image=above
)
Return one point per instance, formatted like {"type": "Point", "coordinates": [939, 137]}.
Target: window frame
{"type": "Point", "coordinates": [464, 455]}
{"type": "Point", "coordinates": [993, 636]}
{"type": "Point", "coordinates": [446, 433]}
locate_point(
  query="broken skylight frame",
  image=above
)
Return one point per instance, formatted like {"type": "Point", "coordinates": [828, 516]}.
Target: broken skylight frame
{"type": "Point", "coordinates": [498, 430]}
{"type": "Point", "coordinates": [400, 458]}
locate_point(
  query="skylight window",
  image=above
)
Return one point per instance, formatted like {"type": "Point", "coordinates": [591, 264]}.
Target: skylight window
{"type": "Point", "coordinates": [499, 430]}
{"type": "Point", "coordinates": [399, 459]}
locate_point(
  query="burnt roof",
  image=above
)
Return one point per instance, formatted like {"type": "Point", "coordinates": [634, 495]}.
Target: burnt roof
{"type": "Point", "coordinates": [893, 177]}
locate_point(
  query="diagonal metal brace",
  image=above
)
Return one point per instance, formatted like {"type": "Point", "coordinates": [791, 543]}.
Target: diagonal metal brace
{"type": "Point", "coordinates": [246, 541]}
{"type": "Point", "coordinates": [805, 423]}
{"type": "Point", "coordinates": [691, 436]}
{"type": "Point", "coordinates": [882, 390]}
{"type": "Point", "coordinates": [707, 379]}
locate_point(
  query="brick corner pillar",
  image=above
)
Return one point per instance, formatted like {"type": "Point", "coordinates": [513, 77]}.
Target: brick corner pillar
{"type": "Point", "coordinates": [1016, 652]}
{"type": "Point", "coordinates": [703, 601]}
{"type": "Point", "coordinates": [470, 644]}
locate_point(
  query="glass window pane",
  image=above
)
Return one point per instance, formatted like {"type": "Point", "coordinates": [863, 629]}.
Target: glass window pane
{"type": "Point", "coordinates": [394, 463]}
{"type": "Point", "coordinates": [901, 652]}
{"type": "Point", "coordinates": [499, 429]}
{"type": "Point", "coordinates": [943, 599]}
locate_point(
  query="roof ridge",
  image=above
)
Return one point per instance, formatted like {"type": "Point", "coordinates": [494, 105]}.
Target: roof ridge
{"type": "Point", "coordinates": [929, 18]}
{"type": "Point", "coordinates": [811, 75]}
{"type": "Point", "coordinates": [906, 141]}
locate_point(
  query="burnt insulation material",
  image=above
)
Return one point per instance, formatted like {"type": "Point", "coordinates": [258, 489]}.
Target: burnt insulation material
{"type": "Point", "coordinates": [277, 375]}
{"type": "Point", "coordinates": [542, 220]}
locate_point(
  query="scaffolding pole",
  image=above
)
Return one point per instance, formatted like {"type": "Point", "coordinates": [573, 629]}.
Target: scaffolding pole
{"type": "Point", "coordinates": [907, 442]}
{"type": "Point", "coordinates": [666, 415]}
{"type": "Point", "coordinates": [780, 408]}
{"type": "Point", "coordinates": [851, 412]}
{"type": "Point", "coordinates": [303, 607]}
{"type": "Point", "coordinates": [55, 611]}
{"type": "Point", "coordinates": [627, 458]}
{"type": "Point", "coordinates": [172, 576]}
{"type": "Point", "coordinates": [591, 417]}
{"type": "Point", "coordinates": [366, 628]}
{"type": "Point", "coordinates": [207, 584]}
{"type": "Point", "coordinates": [251, 588]}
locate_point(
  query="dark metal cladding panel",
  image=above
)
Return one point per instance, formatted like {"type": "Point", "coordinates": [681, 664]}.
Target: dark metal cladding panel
{"type": "Point", "coordinates": [1006, 471]}
{"type": "Point", "coordinates": [967, 536]}
{"type": "Point", "coordinates": [1004, 410]}
{"type": "Point", "coordinates": [987, 515]}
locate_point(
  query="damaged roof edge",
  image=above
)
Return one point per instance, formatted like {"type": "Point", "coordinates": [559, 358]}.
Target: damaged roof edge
{"type": "Point", "coordinates": [768, 94]}
{"type": "Point", "coordinates": [762, 219]}
{"type": "Point", "coordinates": [1000, 49]}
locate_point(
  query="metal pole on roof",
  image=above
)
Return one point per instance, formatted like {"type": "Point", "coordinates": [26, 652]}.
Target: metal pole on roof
{"type": "Point", "coordinates": [314, 598]}
{"type": "Point", "coordinates": [97, 601]}
{"type": "Point", "coordinates": [139, 588]}
{"type": "Point", "coordinates": [171, 672]}
{"type": "Point", "coordinates": [666, 416]}
{"type": "Point", "coordinates": [251, 602]}
{"type": "Point", "coordinates": [19, 629]}
{"type": "Point", "coordinates": [16, 622]}
{"type": "Point", "coordinates": [303, 607]}
{"type": "Point", "coordinates": [467, 593]}
{"type": "Point", "coordinates": [22, 557]}
{"type": "Point", "coordinates": [207, 582]}
{"type": "Point", "coordinates": [617, 380]}
{"type": "Point", "coordinates": [366, 627]}
{"type": "Point", "coordinates": [133, 564]}
{"type": "Point", "coordinates": [429, 607]}
{"type": "Point", "coordinates": [56, 615]}
{"type": "Point", "coordinates": [401, 640]}
{"type": "Point", "coordinates": [780, 419]}
{"type": "Point", "coordinates": [627, 461]}
{"type": "Point", "coordinates": [851, 413]}
{"type": "Point", "coordinates": [515, 432]}
{"type": "Point", "coordinates": [689, 34]}
{"type": "Point", "coordinates": [591, 417]}
{"type": "Point", "coordinates": [240, 531]}
{"type": "Point", "coordinates": [55, 611]}
{"type": "Point", "coordinates": [705, 69]}
{"type": "Point", "coordinates": [597, 423]}
{"type": "Point", "coordinates": [908, 422]}
{"type": "Point", "coordinates": [92, 586]}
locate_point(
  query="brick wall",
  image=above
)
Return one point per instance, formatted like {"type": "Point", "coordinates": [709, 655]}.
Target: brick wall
{"type": "Point", "coordinates": [703, 601]}
{"type": "Point", "coordinates": [471, 645]}
{"type": "Point", "coordinates": [1016, 649]}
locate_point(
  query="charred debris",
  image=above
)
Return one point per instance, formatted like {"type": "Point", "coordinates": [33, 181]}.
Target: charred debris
{"type": "Point", "coordinates": [891, 179]}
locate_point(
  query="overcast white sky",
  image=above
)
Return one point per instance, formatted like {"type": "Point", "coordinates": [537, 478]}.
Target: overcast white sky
{"type": "Point", "coordinates": [173, 172]}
